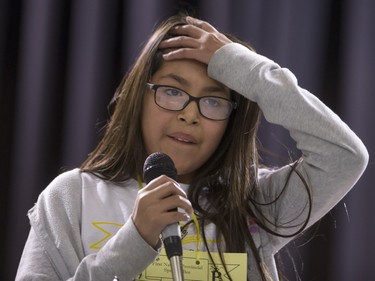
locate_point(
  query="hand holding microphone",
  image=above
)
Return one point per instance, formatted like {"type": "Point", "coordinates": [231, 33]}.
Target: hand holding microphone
{"type": "Point", "coordinates": [155, 209]}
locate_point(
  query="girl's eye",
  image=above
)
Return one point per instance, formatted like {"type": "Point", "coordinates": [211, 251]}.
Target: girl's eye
{"type": "Point", "coordinates": [214, 102]}
{"type": "Point", "coordinates": [172, 92]}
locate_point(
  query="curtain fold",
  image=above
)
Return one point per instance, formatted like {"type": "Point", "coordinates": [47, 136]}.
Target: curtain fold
{"type": "Point", "coordinates": [353, 241]}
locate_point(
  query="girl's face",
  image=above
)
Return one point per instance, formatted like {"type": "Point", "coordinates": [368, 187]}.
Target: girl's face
{"type": "Point", "coordinates": [186, 136]}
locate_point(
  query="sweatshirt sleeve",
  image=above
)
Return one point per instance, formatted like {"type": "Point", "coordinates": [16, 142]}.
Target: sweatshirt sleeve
{"type": "Point", "coordinates": [333, 157]}
{"type": "Point", "coordinates": [54, 249]}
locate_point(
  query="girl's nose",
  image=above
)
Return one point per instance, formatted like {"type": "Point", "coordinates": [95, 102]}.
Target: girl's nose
{"type": "Point", "coordinates": [190, 114]}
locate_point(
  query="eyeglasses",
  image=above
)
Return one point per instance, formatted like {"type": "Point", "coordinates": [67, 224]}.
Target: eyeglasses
{"type": "Point", "coordinates": [174, 99]}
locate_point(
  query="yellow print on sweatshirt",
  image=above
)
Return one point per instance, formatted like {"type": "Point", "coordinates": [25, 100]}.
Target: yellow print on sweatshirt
{"type": "Point", "coordinates": [109, 229]}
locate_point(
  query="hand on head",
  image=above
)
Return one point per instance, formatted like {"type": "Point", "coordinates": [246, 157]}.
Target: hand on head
{"type": "Point", "coordinates": [197, 40]}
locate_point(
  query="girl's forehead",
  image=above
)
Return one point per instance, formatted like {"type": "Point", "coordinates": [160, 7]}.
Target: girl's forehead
{"type": "Point", "coordinates": [186, 73]}
{"type": "Point", "coordinates": [183, 66]}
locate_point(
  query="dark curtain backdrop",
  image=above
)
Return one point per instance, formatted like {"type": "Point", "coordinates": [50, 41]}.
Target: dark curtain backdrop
{"type": "Point", "coordinates": [61, 61]}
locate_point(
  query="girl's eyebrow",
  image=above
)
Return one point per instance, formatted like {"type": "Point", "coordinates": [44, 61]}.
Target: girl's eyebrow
{"type": "Point", "coordinates": [177, 78]}
{"type": "Point", "coordinates": [184, 82]}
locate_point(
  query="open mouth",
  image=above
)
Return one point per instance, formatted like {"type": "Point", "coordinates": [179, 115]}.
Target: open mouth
{"type": "Point", "coordinates": [183, 138]}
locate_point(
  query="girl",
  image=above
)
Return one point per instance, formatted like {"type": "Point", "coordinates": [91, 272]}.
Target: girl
{"type": "Point", "coordinates": [196, 95]}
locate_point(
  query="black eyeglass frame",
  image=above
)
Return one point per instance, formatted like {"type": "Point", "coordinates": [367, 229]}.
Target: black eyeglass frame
{"type": "Point", "coordinates": [154, 88]}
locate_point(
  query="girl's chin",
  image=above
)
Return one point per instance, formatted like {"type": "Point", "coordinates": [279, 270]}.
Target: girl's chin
{"type": "Point", "coordinates": [185, 175]}
{"type": "Point", "coordinates": [184, 179]}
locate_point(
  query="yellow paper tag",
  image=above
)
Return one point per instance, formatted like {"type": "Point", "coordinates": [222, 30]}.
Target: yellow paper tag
{"type": "Point", "coordinates": [202, 269]}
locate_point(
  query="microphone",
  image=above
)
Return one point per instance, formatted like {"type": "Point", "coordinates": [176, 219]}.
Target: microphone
{"type": "Point", "coordinates": [158, 164]}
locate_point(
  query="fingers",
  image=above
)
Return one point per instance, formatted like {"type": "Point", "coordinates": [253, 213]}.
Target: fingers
{"type": "Point", "coordinates": [178, 42]}
{"type": "Point", "coordinates": [201, 24]}
{"type": "Point", "coordinates": [153, 205]}
{"type": "Point", "coordinates": [162, 187]}
{"type": "Point", "coordinates": [170, 196]}
{"type": "Point", "coordinates": [170, 204]}
{"type": "Point", "coordinates": [166, 194]}
{"type": "Point", "coordinates": [186, 36]}
{"type": "Point", "coordinates": [196, 40]}
{"type": "Point", "coordinates": [191, 30]}
{"type": "Point", "coordinates": [187, 53]}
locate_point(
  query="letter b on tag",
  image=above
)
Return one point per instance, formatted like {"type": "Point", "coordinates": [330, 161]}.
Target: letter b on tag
{"type": "Point", "coordinates": [216, 275]}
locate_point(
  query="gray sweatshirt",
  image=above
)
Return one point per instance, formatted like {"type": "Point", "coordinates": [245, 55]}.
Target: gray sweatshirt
{"type": "Point", "coordinates": [333, 160]}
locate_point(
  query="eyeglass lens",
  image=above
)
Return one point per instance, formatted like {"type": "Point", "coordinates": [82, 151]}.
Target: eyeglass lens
{"type": "Point", "coordinates": [170, 98]}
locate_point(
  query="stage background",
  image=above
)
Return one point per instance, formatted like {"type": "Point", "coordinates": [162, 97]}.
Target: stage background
{"type": "Point", "coordinates": [61, 61]}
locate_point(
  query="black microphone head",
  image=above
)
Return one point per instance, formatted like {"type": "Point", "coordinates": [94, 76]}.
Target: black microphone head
{"type": "Point", "coordinates": [158, 164]}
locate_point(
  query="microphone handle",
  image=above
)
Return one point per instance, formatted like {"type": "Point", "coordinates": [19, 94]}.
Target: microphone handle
{"type": "Point", "coordinates": [172, 243]}
{"type": "Point", "coordinates": [176, 266]}
{"type": "Point", "coordinates": [171, 230]}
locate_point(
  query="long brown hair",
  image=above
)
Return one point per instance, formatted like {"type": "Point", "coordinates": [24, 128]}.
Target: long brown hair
{"type": "Point", "coordinates": [228, 180]}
